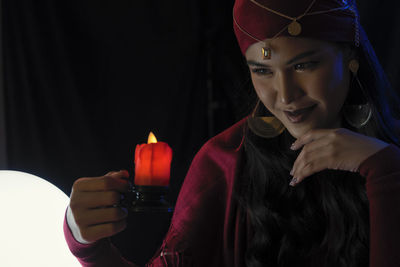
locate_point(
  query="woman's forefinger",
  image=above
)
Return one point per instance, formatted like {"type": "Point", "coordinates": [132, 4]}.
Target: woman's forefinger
{"type": "Point", "coordinates": [110, 182]}
{"type": "Point", "coordinates": [311, 136]}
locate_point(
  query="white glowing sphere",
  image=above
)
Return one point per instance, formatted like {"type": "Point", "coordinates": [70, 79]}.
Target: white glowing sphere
{"type": "Point", "coordinates": [31, 223]}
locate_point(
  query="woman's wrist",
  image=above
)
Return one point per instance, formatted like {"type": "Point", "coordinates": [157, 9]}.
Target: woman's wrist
{"type": "Point", "coordinates": [74, 228]}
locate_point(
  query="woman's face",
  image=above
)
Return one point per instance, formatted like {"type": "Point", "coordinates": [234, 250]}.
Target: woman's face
{"type": "Point", "coordinates": [304, 84]}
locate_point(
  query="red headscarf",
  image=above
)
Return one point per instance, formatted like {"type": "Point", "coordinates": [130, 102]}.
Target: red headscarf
{"type": "Point", "coordinates": [330, 20]}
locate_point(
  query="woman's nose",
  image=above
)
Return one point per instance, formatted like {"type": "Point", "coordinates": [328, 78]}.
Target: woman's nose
{"type": "Point", "coordinates": [288, 89]}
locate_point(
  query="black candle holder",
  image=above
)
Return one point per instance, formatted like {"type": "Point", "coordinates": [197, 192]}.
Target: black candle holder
{"type": "Point", "coordinates": [145, 198]}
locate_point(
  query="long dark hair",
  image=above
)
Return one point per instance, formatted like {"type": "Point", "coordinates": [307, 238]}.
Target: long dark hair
{"type": "Point", "coordinates": [323, 221]}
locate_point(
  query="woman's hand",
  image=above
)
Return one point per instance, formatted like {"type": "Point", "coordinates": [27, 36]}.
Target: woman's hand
{"type": "Point", "coordinates": [337, 149]}
{"type": "Point", "coordinates": [93, 212]}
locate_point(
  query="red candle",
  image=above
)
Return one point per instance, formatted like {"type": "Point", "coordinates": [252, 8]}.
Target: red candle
{"type": "Point", "coordinates": [153, 163]}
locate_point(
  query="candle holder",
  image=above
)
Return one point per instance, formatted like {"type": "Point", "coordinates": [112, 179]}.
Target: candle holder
{"type": "Point", "coordinates": [149, 199]}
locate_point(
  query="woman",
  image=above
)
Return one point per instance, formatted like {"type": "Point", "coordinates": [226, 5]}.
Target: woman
{"type": "Point", "coordinates": [311, 178]}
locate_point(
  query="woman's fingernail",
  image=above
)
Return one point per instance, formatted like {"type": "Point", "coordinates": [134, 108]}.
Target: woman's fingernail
{"type": "Point", "coordinates": [293, 181]}
{"type": "Point", "coordinates": [293, 146]}
{"type": "Point", "coordinates": [291, 172]}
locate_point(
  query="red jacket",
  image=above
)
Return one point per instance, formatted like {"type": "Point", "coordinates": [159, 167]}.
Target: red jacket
{"type": "Point", "coordinates": [208, 229]}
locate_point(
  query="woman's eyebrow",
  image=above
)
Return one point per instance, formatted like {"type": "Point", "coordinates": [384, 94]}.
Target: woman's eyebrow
{"type": "Point", "coordinates": [301, 56]}
{"type": "Point", "coordinates": [256, 64]}
{"type": "Point", "coordinates": [291, 61]}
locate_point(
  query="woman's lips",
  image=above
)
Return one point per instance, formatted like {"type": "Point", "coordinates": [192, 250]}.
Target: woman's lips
{"type": "Point", "coordinates": [299, 115]}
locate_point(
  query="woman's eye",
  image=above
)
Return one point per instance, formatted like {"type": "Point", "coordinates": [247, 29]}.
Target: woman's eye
{"type": "Point", "coordinates": [305, 65]}
{"type": "Point", "coordinates": [261, 71]}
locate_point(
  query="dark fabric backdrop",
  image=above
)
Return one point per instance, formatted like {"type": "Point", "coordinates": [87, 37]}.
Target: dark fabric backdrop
{"type": "Point", "coordinates": [85, 81]}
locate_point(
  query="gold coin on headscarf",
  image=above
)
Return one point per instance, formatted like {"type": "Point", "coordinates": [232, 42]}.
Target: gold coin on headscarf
{"type": "Point", "coordinates": [294, 28]}
{"type": "Point", "coordinates": [354, 66]}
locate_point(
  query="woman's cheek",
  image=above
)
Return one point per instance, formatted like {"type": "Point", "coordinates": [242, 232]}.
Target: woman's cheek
{"type": "Point", "coordinates": [261, 89]}
{"type": "Point", "coordinates": [265, 94]}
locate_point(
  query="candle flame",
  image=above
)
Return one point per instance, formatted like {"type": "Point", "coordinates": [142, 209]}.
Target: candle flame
{"type": "Point", "coordinates": [152, 138]}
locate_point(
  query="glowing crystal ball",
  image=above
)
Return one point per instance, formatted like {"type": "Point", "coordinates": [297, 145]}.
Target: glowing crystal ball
{"type": "Point", "coordinates": [31, 223]}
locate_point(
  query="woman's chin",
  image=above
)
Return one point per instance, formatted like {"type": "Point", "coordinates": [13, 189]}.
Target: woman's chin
{"type": "Point", "coordinates": [298, 131]}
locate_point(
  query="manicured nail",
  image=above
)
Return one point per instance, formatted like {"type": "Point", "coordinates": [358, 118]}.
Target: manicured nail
{"type": "Point", "coordinates": [293, 181]}
{"type": "Point", "coordinates": [293, 146]}
{"type": "Point", "coordinates": [291, 172]}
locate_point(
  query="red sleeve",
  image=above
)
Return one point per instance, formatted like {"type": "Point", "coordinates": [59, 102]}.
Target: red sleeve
{"type": "Point", "coordinates": [196, 234]}
{"type": "Point", "coordinates": [382, 172]}
{"type": "Point", "coordinates": [98, 254]}
{"type": "Point", "coordinates": [196, 230]}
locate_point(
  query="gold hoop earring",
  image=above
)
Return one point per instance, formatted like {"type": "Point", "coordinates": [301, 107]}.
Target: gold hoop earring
{"type": "Point", "coordinates": [266, 126]}
{"type": "Point", "coordinates": [357, 115]}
